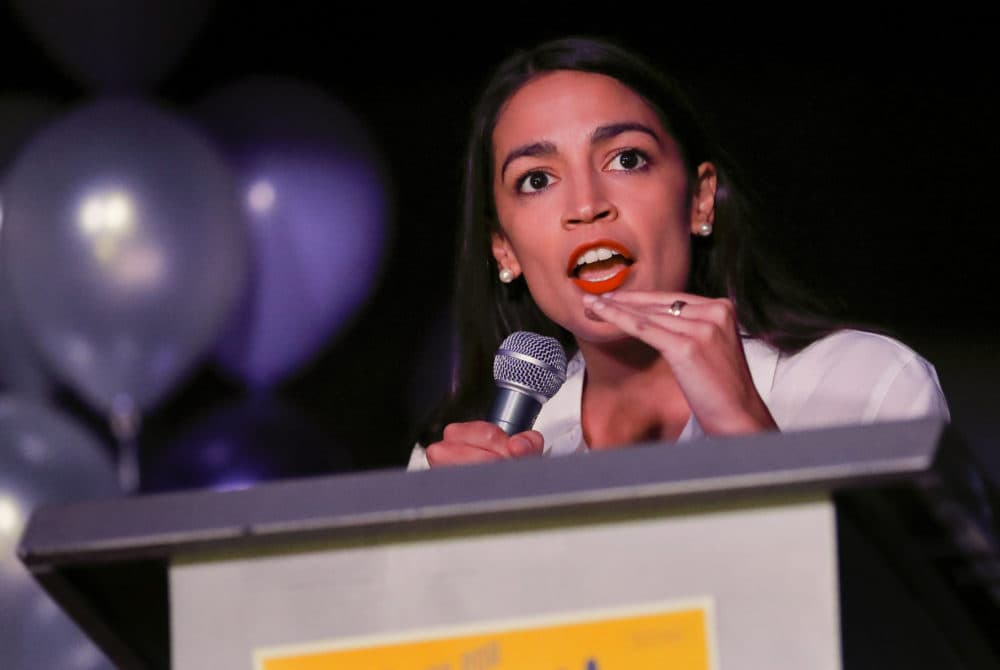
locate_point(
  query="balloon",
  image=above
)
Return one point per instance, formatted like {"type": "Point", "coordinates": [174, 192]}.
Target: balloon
{"type": "Point", "coordinates": [257, 439]}
{"type": "Point", "coordinates": [21, 368]}
{"type": "Point", "coordinates": [314, 200]}
{"type": "Point", "coordinates": [114, 44]}
{"type": "Point", "coordinates": [45, 458]}
{"type": "Point", "coordinates": [123, 249]}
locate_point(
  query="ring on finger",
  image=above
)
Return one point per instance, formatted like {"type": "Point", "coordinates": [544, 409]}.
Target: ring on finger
{"type": "Point", "coordinates": [675, 307]}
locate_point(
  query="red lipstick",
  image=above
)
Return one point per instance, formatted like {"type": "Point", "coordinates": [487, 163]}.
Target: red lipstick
{"type": "Point", "coordinates": [603, 285]}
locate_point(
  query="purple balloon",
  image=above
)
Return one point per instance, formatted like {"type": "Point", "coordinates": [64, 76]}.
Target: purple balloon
{"type": "Point", "coordinates": [314, 200]}
{"type": "Point", "coordinates": [119, 45]}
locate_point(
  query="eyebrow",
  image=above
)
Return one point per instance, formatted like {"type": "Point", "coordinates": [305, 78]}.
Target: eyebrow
{"type": "Point", "coordinates": [600, 134]}
{"type": "Point", "coordinates": [533, 149]}
{"type": "Point", "coordinates": [611, 130]}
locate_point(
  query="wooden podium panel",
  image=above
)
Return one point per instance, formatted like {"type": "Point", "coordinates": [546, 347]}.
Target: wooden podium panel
{"type": "Point", "coordinates": [738, 539]}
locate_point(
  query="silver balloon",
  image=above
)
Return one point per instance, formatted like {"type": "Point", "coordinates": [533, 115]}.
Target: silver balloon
{"type": "Point", "coordinates": [123, 249]}
{"type": "Point", "coordinates": [45, 457]}
{"type": "Point", "coordinates": [21, 368]}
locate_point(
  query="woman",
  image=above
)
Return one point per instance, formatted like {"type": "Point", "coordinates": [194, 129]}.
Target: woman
{"type": "Point", "coordinates": [597, 211]}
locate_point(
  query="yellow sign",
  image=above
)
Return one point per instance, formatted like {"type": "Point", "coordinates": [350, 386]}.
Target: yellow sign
{"type": "Point", "coordinates": [665, 636]}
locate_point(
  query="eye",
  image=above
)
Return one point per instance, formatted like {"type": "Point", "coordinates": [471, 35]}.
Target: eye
{"type": "Point", "coordinates": [628, 160]}
{"type": "Point", "coordinates": [533, 182]}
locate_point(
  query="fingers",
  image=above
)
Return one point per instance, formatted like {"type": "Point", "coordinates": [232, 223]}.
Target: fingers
{"type": "Point", "coordinates": [646, 309]}
{"type": "Point", "coordinates": [660, 330]}
{"type": "Point", "coordinates": [636, 319]}
{"type": "Point", "coordinates": [483, 434]}
{"type": "Point", "coordinates": [450, 453]}
{"type": "Point", "coordinates": [654, 297]}
{"type": "Point", "coordinates": [481, 441]}
{"type": "Point", "coordinates": [705, 333]}
{"type": "Point", "coordinates": [717, 310]}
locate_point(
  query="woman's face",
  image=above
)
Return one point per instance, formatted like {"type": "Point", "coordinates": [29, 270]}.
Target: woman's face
{"type": "Point", "coordinates": [592, 195]}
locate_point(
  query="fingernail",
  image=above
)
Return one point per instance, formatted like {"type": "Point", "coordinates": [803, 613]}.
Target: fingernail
{"type": "Point", "coordinates": [589, 299]}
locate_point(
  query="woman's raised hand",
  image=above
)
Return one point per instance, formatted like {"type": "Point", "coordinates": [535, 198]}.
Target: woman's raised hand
{"type": "Point", "coordinates": [480, 441]}
{"type": "Point", "coordinates": [700, 340]}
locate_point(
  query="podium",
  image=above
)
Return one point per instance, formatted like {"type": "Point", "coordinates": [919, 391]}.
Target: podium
{"type": "Point", "coordinates": [847, 547]}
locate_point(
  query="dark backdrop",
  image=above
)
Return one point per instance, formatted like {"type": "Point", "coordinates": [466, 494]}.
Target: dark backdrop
{"type": "Point", "coordinates": [872, 137]}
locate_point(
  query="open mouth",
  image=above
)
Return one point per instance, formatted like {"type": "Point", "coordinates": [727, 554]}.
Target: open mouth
{"type": "Point", "coordinates": [599, 267]}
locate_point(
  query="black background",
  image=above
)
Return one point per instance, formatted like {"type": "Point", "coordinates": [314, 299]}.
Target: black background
{"type": "Point", "coordinates": [872, 136]}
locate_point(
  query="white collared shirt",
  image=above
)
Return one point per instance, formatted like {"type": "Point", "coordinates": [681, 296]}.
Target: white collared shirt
{"type": "Point", "coordinates": [848, 377]}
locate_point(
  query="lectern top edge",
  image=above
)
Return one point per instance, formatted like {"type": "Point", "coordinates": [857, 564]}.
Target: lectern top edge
{"type": "Point", "coordinates": [160, 524]}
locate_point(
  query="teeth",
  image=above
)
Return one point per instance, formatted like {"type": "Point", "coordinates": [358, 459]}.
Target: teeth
{"type": "Point", "coordinates": [595, 255]}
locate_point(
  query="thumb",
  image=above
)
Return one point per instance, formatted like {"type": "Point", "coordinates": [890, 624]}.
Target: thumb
{"type": "Point", "coordinates": [527, 443]}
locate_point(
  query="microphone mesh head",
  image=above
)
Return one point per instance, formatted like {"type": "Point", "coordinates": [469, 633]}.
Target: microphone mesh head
{"type": "Point", "coordinates": [544, 371]}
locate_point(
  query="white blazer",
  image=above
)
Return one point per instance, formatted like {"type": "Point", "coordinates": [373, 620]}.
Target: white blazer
{"type": "Point", "coordinates": [848, 377]}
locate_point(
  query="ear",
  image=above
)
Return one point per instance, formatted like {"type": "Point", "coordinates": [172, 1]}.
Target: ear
{"type": "Point", "coordinates": [703, 198]}
{"type": "Point", "coordinates": [503, 252]}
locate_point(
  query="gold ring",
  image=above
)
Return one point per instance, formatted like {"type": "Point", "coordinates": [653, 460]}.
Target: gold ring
{"type": "Point", "coordinates": [676, 307]}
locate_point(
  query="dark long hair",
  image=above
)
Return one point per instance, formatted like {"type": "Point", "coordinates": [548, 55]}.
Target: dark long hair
{"type": "Point", "coordinates": [731, 262]}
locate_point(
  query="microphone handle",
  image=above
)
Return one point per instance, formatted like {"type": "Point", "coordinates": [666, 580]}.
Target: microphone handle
{"type": "Point", "coordinates": [514, 411]}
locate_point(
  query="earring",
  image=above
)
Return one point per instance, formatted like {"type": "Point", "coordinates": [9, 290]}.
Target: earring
{"type": "Point", "coordinates": [705, 229]}
{"type": "Point", "coordinates": [506, 275]}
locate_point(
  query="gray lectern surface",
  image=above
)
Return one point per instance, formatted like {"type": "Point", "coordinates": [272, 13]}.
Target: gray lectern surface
{"type": "Point", "coordinates": [907, 489]}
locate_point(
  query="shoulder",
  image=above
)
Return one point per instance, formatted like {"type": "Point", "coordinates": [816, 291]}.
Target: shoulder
{"type": "Point", "coordinates": [853, 376]}
{"type": "Point", "coordinates": [849, 354]}
{"type": "Point", "coordinates": [849, 345]}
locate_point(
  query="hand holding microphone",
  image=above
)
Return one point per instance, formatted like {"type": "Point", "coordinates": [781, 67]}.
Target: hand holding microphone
{"type": "Point", "coordinates": [528, 369]}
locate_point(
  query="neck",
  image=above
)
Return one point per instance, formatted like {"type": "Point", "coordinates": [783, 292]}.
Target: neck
{"type": "Point", "coordinates": [629, 394]}
{"type": "Point", "coordinates": [612, 363]}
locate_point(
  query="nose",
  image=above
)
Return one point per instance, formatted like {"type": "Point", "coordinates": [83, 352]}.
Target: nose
{"type": "Point", "coordinates": [588, 203]}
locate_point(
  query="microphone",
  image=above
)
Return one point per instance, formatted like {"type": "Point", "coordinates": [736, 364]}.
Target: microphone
{"type": "Point", "coordinates": [528, 370]}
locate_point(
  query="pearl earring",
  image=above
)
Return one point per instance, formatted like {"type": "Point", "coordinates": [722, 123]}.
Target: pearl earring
{"type": "Point", "coordinates": [705, 229]}
{"type": "Point", "coordinates": [506, 275]}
